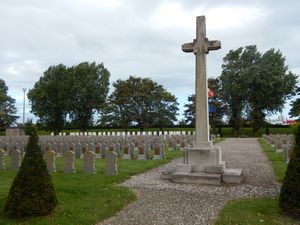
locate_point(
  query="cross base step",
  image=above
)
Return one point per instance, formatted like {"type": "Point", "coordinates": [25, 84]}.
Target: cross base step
{"type": "Point", "coordinates": [196, 178]}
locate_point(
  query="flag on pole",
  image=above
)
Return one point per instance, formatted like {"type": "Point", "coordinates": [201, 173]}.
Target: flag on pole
{"type": "Point", "coordinates": [210, 93]}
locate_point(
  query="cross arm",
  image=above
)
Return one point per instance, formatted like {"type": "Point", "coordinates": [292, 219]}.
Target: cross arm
{"type": "Point", "coordinates": [188, 47]}
{"type": "Point", "coordinates": [213, 45]}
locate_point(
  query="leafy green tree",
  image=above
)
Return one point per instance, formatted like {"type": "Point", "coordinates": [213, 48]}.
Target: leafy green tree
{"type": "Point", "coordinates": [32, 192]}
{"type": "Point", "coordinates": [141, 102]}
{"type": "Point", "coordinates": [190, 111]}
{"type": "Point", "coordinates": [295, 110]}
{"type": "Point", "coordinates": [232, 88]}
{"type": "Point", "coordinates": [88, 88]}
{"type": "Point", "coordinates": [289, 200]}
{"type": "Point", "coordinates": [49, 97]}
{"type": "Point", "coordinates": [270, 84]}
{"type": "Point", "coordinates": [254, 85]}
{"type": "Point", "coordinates": [7, 107]}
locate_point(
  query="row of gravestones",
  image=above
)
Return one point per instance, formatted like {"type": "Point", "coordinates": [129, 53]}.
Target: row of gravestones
{"type": "Point", "coordinates": [281, 143]}
{"type": "Point", "coordinates": [60, 143]}
{"type": "Point", "coordinates": [128, 133]}
{"type": "Point", "coordinates": [63, 139]}
{"type": "Point", "coordinates": [89, 159]}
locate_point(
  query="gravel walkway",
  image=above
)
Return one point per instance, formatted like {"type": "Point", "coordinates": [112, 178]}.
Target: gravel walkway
{"type": "Point", "coordinates": [161, 202]}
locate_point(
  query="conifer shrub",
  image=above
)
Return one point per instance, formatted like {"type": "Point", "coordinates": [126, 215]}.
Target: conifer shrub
{"type": "Point", "coordinates": [289, 200]}
{"type": "Point", "coordinates": [32, 192]}
{"type": "Point", "coordinates": [220, 131]}
{"type": "Point", "coordinates": [267, 131]}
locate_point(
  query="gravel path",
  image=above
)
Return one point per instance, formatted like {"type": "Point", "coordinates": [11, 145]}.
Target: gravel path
{"type": "Point", "coordinates": [161, 202]}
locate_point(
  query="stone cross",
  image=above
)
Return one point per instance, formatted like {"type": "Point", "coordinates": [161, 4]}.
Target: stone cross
{"type": "Point", "coordinates": [200, 47]}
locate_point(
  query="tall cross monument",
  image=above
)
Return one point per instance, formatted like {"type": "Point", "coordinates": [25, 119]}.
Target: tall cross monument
{"type": "Point", "coordinates": [200, 47]}
{"type": "Point", "coordinates": [202, 162]}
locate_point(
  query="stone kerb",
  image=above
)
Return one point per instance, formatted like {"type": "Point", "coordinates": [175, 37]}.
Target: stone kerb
{"type": "Point", "coordinates": [50, 161]}
{"type": "Point", "coordinates": [89, 158]}
{"type": "Point", "coordinates": [69, 162]}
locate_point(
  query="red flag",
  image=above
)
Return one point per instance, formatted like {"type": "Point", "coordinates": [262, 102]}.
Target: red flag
{"type": "Point", "coordinates": [210, 93]}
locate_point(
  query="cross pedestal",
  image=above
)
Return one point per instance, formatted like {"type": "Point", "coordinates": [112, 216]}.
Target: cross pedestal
{"type": "Point", "coordinates": [202, 161]}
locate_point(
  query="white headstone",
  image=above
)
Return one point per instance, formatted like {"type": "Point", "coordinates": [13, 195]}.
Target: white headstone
{"type": "Point", "coordinates": [2, 157]}
{"type": "Point", "coordinates": [15, 159]}
{"type": "Point", "coordinates": [111, 163]}
{"type": "Point", "coordinates": [69, 162]}
{"type": "Point", "coordinates": [89, 162]}
{"type": "Point", "coordinates": [50, 161]}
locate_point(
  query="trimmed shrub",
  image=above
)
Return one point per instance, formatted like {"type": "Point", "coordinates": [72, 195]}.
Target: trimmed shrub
{"type": "Point", "coordinates": [267, 131]}
{"type": "Point", "coordinates": [289, 200]}
{"type": "Point", "coordinates": [32, 192]}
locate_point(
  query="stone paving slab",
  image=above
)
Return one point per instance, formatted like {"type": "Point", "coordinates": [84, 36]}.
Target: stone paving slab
{"type": "Point", "coordinates": [161, 202]}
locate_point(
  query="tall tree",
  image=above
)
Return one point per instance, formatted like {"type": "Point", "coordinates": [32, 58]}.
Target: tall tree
{"type": "Point", "coordinates": [88, 88]}
{"type": "Point", "coordinates": [255, 84]}
{"type": "Point", "coordinates": [141, 102]}
{"type": "Point", "coordinates": [270, 84]}
{"type": "Point", "coordinates": [295, 110]}
{"type": "Point", "coordinates": [8, 109]}
{"type": "Point", "coordinates": [49, 97]}
{"type": "Point", "coordinates": [232, 88]}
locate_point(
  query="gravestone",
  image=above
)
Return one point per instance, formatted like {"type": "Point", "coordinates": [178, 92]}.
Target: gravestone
{"type": "Point", "coordinates": [203, 161]}
{"type": "Point", "coordinates": [78, 150]}
{"type": "Point", "coordinates": [50, 161]}
{"type": "Point", "coordinates": [158, 152]}
{"type": "Point", "coordinates": [111, 163]}
{"type": "Point", "coordinates": [126, 151]}
{"type": "Point", "coordinates": [142, 152]}
{"type": "Point", "coordinates": [89, 162]}
{"type": "Point", "coordinates": [103, 150]}
{"type": "Point", "coordinates": [15, 159]}
{"type": "Point", "coordinates": [69, 162]}
{"type": "Point", "coordinates": [2, 157]}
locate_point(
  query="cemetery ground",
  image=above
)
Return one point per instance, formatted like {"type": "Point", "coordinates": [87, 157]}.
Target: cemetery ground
{"type": "Point", "coordinates": [252, 202]}
{"type": "Point", "coordinates": [84, 198]}
{"type": "Point", "coordinates": [88, 199]}
{"type": "Point", "coordinates": [259, 210]}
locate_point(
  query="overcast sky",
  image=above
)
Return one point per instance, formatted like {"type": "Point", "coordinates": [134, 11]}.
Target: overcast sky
{"type": "Point", "coordinates": [137, 37]}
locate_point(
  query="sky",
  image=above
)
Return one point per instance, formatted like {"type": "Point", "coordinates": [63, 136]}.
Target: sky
{"type": "Point", "coordinates": [137, 37]}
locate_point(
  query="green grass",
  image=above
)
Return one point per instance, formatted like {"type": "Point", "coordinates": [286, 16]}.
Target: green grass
{"type": "Point", "coordinates": [277, 159]}
{"type": "Point", "coordinates": [227, 131]}
{"type": "Point", "coordinates": [83, 198]}
{"type": "Point", "coordinates": [254, 211]}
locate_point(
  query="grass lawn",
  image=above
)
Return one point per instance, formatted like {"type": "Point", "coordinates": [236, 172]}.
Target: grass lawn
{"type": "Point", "coordinates": [277, 159]}
{"type": "Point", "coordinates": [252, 211]}
{"type": "Point", "coordinates": [83, 198]}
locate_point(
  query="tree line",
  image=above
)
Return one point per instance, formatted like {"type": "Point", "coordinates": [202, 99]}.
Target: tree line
{"type": "Point", "coordinates": [251, 86]}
